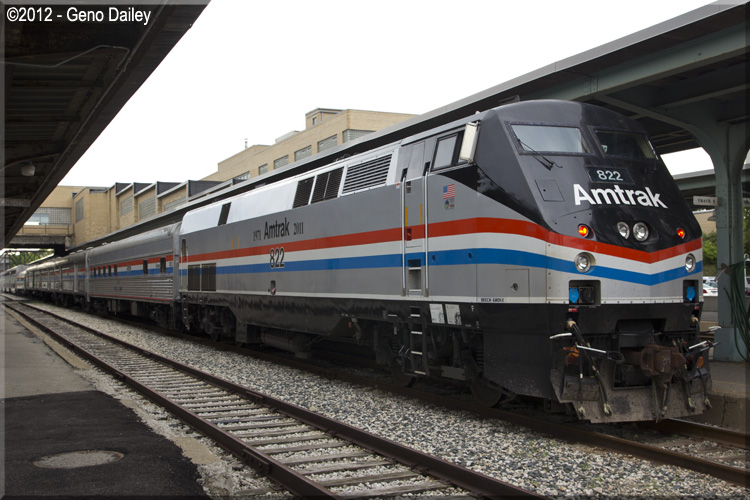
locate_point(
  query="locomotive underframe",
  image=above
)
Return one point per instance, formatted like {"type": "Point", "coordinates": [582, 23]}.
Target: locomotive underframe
{"type": "Point", "coordinates": [400, 333]}
{"type": "Point", "coordinates": [503, 346]}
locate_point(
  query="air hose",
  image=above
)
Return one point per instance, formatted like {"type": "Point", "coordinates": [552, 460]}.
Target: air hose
{"type": "Point", "coordinates": [573, 326]}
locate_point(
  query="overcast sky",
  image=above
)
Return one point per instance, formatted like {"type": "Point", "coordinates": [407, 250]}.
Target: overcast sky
{"type": "Point", "coordinates": [252, 69]}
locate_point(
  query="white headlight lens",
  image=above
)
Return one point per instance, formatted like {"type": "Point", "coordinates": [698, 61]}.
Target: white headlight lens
{"type": "Point", "coordinates": [583, 262]}
{"type": "Point", "coordinates": [623, 229]}
{"type": "Point", "coordinates": [640, 231]}
{"type": "Point", "coordinates": [690, 263]}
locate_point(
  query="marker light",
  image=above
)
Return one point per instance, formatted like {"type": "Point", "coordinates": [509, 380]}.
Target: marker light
{"type": "Point", "coordinates": [681, 233]}
{"type": "Point", "coordinates": [584, 230]}
{"type": "Point", "coordinates": [690, 263]}
{"type": "Point", "coordinates": [640, 231]}
{"type": "Point", "coordinates": [623, 229]}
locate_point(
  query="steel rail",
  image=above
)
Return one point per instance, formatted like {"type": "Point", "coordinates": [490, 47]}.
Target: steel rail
{"type": "Point", "coordinates": [560, 431]}
{"type": "Point", "coordinates": [290, 479]}
{"type": "Point", "coordinates": [697, 430]}
{"type": "Point", "coordinates": [450, 473]}
{"type": "Point", "coordinates": [570, 433]}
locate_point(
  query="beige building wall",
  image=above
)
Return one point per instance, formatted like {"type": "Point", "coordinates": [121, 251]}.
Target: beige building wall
{"type": "Point", "coordinates": [105, 211]}
{"type": "Point", "coordinates": [321, 124]}
{"type": "Point", "coordinates": [62, 196]}
{"type": "Point", "coordinates": [172, 199]}
{"type": "Point", "coordinates": [125, 213]}
{"type": "Point", "coordinates": [114, 219]}
{"type": "Point", "coordinates": [91, 215]}
{"type": "Point", "coordinates": [58, 214]}
{"type": "Point", "coordinates": [145, 204]}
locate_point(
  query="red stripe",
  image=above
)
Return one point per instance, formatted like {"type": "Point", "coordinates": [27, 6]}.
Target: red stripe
{"type": "Point", "coordinates": [523, 228]}
{"type": "Point", "coordinates": [367, 238]}
{"type": "Point", "coordinates": [139, 262]}
{"type": "Point", "coordinates": [458, 228]}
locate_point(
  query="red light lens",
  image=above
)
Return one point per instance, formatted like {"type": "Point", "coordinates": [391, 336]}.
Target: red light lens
{"type": "Point", "coordinates": [584, 230]}
{"type": "Point", "coordinates": [681, 233]}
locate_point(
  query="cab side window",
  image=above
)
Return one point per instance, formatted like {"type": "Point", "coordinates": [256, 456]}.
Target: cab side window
{"type": "Point", "coordinates": [445, 152]}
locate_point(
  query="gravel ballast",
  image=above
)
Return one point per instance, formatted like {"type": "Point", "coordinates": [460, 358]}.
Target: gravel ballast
{"type": "Point", "coordinates": [506, 452]}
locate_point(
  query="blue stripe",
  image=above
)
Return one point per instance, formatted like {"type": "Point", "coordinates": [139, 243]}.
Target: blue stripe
{"type": "Point", "coordinates": [626, 276]}
{"type": "Point", "coordinates": [368, 262]}
{"type": "Point", "coordinates": [457, 258]}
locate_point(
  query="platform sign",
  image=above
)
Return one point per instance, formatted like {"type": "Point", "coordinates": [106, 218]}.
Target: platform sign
{"type": "Point", "coordinates": [713, 201]}
{"type": "Point", "coordinates": [706, 201]}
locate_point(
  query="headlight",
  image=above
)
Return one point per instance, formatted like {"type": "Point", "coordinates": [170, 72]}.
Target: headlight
{"type": "Point", "coordinates": [640, 231]}
{"type": "Point", "coordinates": [623, 229]}
{"type": "Point", "coordinates": [583, 262]}
{"type": "Point", "coordinates": [690, 263]}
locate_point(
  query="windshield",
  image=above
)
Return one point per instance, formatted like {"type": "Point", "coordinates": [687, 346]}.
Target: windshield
{"type": "Point", "coordinates": [550, 139]}
{"type": "Point", "coordinates": [625, 144]}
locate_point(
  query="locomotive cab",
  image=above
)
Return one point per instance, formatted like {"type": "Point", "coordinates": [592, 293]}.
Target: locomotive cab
{"type": "Point", "coordinates": [623, 261]}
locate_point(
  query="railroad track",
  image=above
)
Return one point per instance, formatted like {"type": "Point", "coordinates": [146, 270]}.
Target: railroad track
{"type": "Point", "coordinates": [714, 444]}
{"type": "Point", "coordinates": [718, 452]}
{"type": "Point", "coordinates": [721, 453]}
{"type": "Point", "coordinates": [297, 449]}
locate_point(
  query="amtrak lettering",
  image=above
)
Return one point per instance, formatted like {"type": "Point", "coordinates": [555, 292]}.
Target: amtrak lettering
{"type": "Point", "coordinates": [276, 230]}
{"type": "Point", "coordinates": [280, 229]}
{"type": "Point", "coordinates": [617, 196]}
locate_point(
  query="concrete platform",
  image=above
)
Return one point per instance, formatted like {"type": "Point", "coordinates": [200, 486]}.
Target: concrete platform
{"type": "Point", "coordinates": [52, 416]}
{"type": "Point", "coordinates": [729, 396]}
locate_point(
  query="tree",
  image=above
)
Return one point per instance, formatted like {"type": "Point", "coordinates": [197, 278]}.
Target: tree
{"type": "Point", "coordinates": [26, 257]}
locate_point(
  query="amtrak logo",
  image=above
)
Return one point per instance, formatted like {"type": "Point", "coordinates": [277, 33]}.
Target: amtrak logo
{"type": "Point", "coordinates": [618, 196]}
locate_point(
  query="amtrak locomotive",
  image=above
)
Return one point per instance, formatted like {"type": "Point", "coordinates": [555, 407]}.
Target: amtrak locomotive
{"type": "Point", "coordinates": [540, 248]}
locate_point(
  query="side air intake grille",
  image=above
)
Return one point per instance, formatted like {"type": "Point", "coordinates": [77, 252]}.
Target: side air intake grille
{"type": "Point", "coordinates": [327, 185]}
{"type": "Point", "coordinates": [368, 174]}
{"type": "Point", "coordinates": [302, 196]}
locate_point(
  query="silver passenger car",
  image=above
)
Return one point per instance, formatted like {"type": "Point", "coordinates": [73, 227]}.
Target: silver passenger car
{"type": "Point", "coordinates": [135, 275]}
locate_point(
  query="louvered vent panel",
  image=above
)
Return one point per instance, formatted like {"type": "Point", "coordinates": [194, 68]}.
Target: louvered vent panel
{"type": "Point", "coordinates": [320, 187]}
{"type": "Point", "coordinates": [368, 174]}
{"type": "Point", "coordinates": [208, 277]}
{"type": "Point", "coordinates": [327, 185]}
{"type": "Point", "coordinates": [302, 196]}
{"type": "Point", "coordinates": [194, 277]}
{"type": "Point", "coordinates": [334, 181]}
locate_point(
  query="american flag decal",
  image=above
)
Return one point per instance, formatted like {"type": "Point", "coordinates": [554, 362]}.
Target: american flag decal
{"type": "Point", "coordinates": [449, 191]}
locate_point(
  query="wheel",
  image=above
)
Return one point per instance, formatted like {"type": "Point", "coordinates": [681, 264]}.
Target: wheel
{"type": "Point", "coordinates": [489, 394]}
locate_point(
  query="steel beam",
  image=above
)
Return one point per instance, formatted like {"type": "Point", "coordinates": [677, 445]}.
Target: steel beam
{"type": "Point", "coordinates": [690, 55]}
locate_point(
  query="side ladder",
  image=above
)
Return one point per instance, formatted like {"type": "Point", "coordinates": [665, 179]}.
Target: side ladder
{"type": "Point", "coordinates": [417, 342]}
